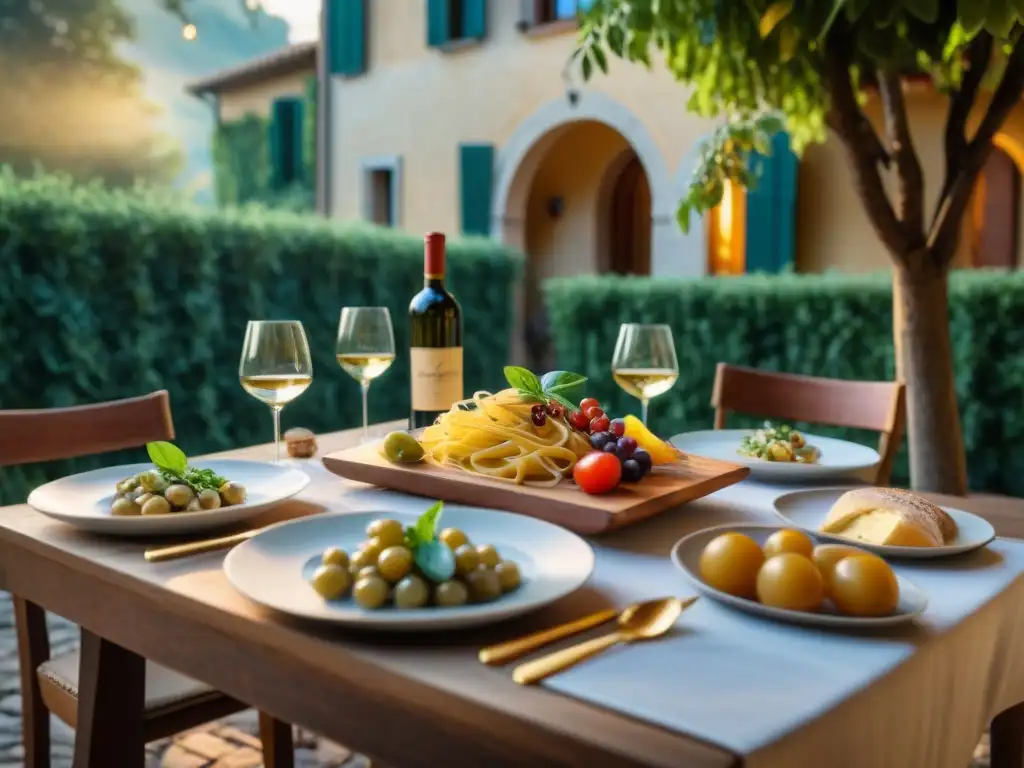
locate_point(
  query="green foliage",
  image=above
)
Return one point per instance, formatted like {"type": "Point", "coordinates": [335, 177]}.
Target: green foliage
{"type": "Point", "coordinates": [71, 102]}
{"type": "Point", "coordinates": [744, 58]}
{"type": "Point", "coordinates": [105, 295]}
{"type": "Point", "coordinates": [241, 162]}
{"type": "Point", "coordinates": [828, 325]}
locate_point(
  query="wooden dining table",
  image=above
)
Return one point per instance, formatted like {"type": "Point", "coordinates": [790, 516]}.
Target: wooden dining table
{"type": "Point", "coordinates": [422, 700]}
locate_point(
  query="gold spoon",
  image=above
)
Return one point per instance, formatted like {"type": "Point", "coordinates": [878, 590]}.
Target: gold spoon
{"type": "Point", "coordinates": [649, 620]}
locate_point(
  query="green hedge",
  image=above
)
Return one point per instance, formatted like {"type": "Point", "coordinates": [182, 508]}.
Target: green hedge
{"type": "Point", "coordinates": [106, 295]}
{"type": "Point", "coordinates": [829, 325]}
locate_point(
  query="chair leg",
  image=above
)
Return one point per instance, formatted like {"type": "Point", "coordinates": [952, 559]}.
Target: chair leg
{"type": "Point", "coordinates": [33, 650]}
{"type": "Point", "coordinates": [278, 749]}
{"type": "Point", "coordinates": [1007, 738]}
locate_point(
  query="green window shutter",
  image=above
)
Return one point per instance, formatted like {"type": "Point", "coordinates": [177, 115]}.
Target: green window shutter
{"type": "Point", "coordinates": [476, 178]}
{"type": "Point", "coordinates": [346, 37]}
{"type": "Point", "coordinates": [474, 19]}
{"type": "Point", "coordinates": [438, 22]}
{"type": "Point", "coordinates": [771, 209]}
{"type": "Point", "coordinates": [285, 140]}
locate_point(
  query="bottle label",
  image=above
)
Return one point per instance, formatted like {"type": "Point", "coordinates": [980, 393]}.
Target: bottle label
{"type": "Point", "coordinates": [436, 377]}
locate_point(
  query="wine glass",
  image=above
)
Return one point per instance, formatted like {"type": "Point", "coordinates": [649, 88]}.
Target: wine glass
{"type": "Point", "coordinates": [276, 366]}
{"type": "Point", "coordinates": [366, 348]}
{"type": "Point", "coordinates": [645, 363]}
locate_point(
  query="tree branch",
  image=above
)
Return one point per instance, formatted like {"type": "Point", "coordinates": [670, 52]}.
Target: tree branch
{"type": "Point", "coordinates": [863, 148]}
{"type": "Point", "coordinates": [978, 55]}
{"type": "Point", "coordinates": [901, 145]}
{"type": "Point", "coordinates": [945, 229]}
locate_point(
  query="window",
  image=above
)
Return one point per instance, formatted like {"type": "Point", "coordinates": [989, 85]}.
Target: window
{"type": "Point", "coordinates": [382, 183]}
{"type": "Point", "coordinates": [548, 11]}
{"type": "Point", "coordinates": [455, 21]}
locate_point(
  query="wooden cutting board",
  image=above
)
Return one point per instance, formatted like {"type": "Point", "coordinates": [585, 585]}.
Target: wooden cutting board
{"type": "Point", "coordinates": [565, 504]}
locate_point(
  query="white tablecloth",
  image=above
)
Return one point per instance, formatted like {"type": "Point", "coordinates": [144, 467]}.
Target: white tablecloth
{"type": "Point", "coordinates": [789, 697]}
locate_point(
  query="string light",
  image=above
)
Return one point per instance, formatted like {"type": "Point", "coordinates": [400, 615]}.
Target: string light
{"type": "Point", "coordinates": [189, 32]}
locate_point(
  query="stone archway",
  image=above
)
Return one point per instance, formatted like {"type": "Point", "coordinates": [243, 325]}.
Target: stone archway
{"type": "Point", "coordinates": [673, 253]}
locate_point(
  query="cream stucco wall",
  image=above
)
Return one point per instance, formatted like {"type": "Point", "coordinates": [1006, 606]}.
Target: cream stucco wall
{"type": "Point", "coordinates": [420, 103]}
{"type": "Point", "coordinates": [257, 97]}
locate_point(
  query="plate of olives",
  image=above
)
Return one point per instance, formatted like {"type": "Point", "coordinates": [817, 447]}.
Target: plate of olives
{"type": "Point", "coordinates": [168, 496]}
{"type": "Point", "coordinates": [390, 570]}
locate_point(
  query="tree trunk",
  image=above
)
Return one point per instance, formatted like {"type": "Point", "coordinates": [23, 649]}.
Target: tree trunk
{"type": "Point", "coordinates": [925, 363]}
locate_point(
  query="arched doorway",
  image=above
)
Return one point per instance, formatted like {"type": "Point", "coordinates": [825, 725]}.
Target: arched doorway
{"type": "Point", "coordinates": [996, 212]}
{"type": "Point", "coordinates": [625, 208]}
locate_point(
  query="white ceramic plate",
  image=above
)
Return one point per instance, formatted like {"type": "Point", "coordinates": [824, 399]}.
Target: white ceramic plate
{"type": "Point", "coordinates": [84, 500]}
{"type": "Point", "coordinates": [839, 458]}
{"type": "Point", "coordinates": [274, 567]}
{"type": "Point", "coordinates": [807, 510]}
{"type": "Point", "coordinates": [686, 555]}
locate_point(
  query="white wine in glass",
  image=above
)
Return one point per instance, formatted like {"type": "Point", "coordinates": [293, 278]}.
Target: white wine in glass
{"type": "Point", "coordinates": [365, 349]}
{"type": "Point", "coordinates": [644, 363]}
{"type": "Point", "coordinates": [276, 366]}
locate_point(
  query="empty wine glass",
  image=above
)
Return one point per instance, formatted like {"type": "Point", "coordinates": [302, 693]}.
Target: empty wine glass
{"type": "Point", "coordinates": [276, 366]}
{"type": "Point", "coordinates": [365, 349]}
{"type": "Point", "coordinates": [644, 363]}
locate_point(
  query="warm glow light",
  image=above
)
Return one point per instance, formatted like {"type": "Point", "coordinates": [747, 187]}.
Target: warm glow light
{"type": "Point", "coordinates": [725, 215]}
{"type": "Point", "coordinates": [189, 32]}
{"type": "Point", "coordinates": [726, 232]}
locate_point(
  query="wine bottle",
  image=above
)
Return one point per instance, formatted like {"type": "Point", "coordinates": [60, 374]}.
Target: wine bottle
{"type": "Point", "coordinates": [435, 340]}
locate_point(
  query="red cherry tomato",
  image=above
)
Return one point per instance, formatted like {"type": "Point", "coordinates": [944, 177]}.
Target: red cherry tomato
{"type": "Point", "coordinates": [600, 424]}
{"type": "Point", "coordinates": [578, 420]}
{"type": "Point", "coordinates": [587, 403]}
{"type": "Point", "coordinates": [597, 472]}
{"type": "Point", "coordinates": [593, 412]}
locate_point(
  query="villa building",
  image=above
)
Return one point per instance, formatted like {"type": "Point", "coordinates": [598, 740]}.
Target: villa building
{"type": "Point", "coordinates": [462, 116]}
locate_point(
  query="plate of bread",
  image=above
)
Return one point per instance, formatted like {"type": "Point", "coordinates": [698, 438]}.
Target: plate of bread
{"type": "Point", "coordinates": [888, 521]}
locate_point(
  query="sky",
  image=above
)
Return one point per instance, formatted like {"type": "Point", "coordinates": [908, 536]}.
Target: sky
{"type": "Point", "coordinates": [302, 15]}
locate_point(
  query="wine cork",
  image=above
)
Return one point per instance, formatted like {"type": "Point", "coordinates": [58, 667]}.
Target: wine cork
{"type": "Point", "coordinates": [301, 443]}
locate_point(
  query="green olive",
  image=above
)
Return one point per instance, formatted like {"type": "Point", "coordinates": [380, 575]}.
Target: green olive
{"type": "Point", "coordinates": [370, 592]}
{"type": "Point", "coordinates": [449, 594]}
{"type": "Point", "coordinates": [209, 499]}
{"type": "Point", "coordinates": [488, 555]}
{"type": "Point", "coordinates": [389, 533]}
{"type": "Point", "coordinates": [402, 448]}
{"type": "Point", "coordinates": [156, 505]}
{"type": "Point", "coordinates": [466, 559]}
{"type": "Point", "coordinates": [483, 585]}
{"type": "Point", "coordinates": [142, 498]}
{"type": "Point", "coordinates": [373, 547]}
{"type": "Point", "coordinates": [508, 575]}
{"type": "Point", "coordinates": [360, 559]}
{"type": "Point", "coordinates": [370, 570]}
{"type": "Point", "coordinates": [125, 508]}
{"type": "Point", "coordinates": [411, 592]}
{"type": "Point", "coordinates": [394, 563]}
{"type": "Point", "coordinates": [128, 484]}
{"type": "Point", "coordinates": [179, 495]}
{"type": "Point", "coordinates": [152, 481]}
{"type": "Point", "coordinates": [453, 537]}
{"type": "Point", "coordinates": [194, 506]}
{"type": "Point", "coordinates": [232, 493]}
{"type": "Point", "coordinates": [331, 581]}
{"type": "Point", "coordinates": [335, 556]}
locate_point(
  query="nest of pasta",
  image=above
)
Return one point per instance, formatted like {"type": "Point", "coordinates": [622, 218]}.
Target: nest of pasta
{"type": "Point", "coordinates": [494, 435]}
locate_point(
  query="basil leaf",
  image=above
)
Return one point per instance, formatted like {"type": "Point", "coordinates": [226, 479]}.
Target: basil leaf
{"type": "Point", "coordinates": [529, 395]}
{"type": "Point", "coordinates": [520, 378]}
{"type": "Point", "coordinates": [565, 402]}
{"type": "Point", "coordinates": [436, 560]}
{"type": "Point", "coordinates": [167, 456]}
{"type": "Point", "coordinates": [561, 381]}
{"type": "Point", "coordinates": [426, 526]}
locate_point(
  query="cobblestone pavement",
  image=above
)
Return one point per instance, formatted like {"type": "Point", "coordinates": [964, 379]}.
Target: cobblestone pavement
{"type": "Point", "coordinates": [229, 743]}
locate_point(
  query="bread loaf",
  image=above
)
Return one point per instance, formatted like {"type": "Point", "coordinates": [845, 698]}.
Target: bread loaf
{"type": "Point", "coordinates": [889, 516]}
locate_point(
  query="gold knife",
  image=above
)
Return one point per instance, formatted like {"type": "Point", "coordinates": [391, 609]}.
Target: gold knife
{"type": "Point", "coordinates": [161, 554]}
{"type": "Point", "coordinates": [513, 649]}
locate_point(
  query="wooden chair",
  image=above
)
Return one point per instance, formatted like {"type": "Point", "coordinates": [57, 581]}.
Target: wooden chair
{"type": "Point", "coordinates": [173, 702]}
{"type": "Point", "coordinates": [875, 405]}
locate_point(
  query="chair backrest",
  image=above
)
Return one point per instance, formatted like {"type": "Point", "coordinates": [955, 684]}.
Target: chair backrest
{"type": "Point", "coordinates": [875, 405]}
{"type": "Point", "coordinates": [48, 434]}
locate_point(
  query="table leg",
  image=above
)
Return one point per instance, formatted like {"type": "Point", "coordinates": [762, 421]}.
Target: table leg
{"type": "Point", "coordinates": [111, 700]}
{"type": "Point", "coordinates": [1007, 738]}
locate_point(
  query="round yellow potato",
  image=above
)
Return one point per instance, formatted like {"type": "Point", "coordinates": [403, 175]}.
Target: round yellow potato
{"type": "Point", "coordinates": [730, 563]}
{"type": "Point", "coordinates": [790, 581]}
